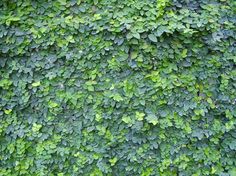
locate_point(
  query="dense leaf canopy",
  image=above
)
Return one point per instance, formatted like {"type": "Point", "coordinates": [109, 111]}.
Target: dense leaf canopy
{"type": "Point", "coordinates": [117, 87]}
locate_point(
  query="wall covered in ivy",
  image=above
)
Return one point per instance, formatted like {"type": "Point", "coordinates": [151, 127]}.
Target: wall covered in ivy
{"type": "Point", "coordinates": [117, 87]}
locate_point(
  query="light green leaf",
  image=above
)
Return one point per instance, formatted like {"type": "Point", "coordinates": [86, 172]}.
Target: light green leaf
{"type": "Point", "coordinates": [7, 111]}
{"type": "Point", "coordinates": [127, 119]}
{"type": "Point", "coordinates": [113, 161]}
{"type": "Point", "coordinates": [139, 116]}
{"type": "Point", "coordinates": [134, 54]}
{"type": "Point", "coordinates": [78, 2]}
{"type": "Point", "coordinates": [152, 37]}
{"type": "Point", "coordinates": [117, 97]}
{"type": "Point", "coordinates": [36, 84]}
{"type": "Point", "coordinates": [136, 35]}
{"type": "Point", "coordinates": [184, 53]}
{"type": "Point", "coordinates": [52, 104]}
{"type": "Point", "coordinates": [152, 119]}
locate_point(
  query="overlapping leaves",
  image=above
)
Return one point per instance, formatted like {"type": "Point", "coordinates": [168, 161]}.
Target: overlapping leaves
{"type": "Point", "coordinates": [108, 87]}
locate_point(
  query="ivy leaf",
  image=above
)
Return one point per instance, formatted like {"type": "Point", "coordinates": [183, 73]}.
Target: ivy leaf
{"type": "Point", "coordinates": [36, 84]}
{"type": "Point", "coordinates": [232, 171]}
{"type": "Point", "coordinates": [90, 88]}
{"type": "Point", "coordinates": [78, 2]}
{"type": "Point", "coordinates": [36, 127]}
{"type": "Point", "coordinates": [151, 118]}
{"type": "Point", "coordinates": [134, 54]}
{"type": "Point", "coordinates": [113, 161]}
{"type": "Point", "coordinates": [139, 116]}
{"type": "Point", "coordinates": [95, 2]}
{"type": "Point", "coordinates": [117, 97]}
{"type": "Point", "coordinates": [127, 119]}
{"type": "Point", "coordinates": [7, 111]}
{"type": "Point", "coordinates": [52, 104]}
{"type": "Point", "coordinates": [184, 53]}
{"type": "Point", "coordinates": [63, 2]}
{"type": "Point", "coordinates": [136, 35]}
{"type": "Point", "coordinates": [152, 37]}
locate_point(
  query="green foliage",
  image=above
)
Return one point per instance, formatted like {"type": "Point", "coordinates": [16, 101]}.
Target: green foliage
{"type": "Point", "coordinates": [126, 88]}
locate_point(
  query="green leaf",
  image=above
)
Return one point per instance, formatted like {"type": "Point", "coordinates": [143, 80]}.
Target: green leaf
{"type": "Point", "coordinates": [5, 83]}
{"type": "Point", "coordinates": [139, 116]}
{"type": "Point", "coordinates": [63, 2]}
{"type": "Point", "coordinates": [117, 97]}
{"type": "Point", "coordinates": [52, 104]}
{"type": "Point", "coordinates": [36, 127]}
{"type": "Point", "coordinates": [78, 2]}
{"type": "Point", "coordinates": [90, 88]}
{"type": "Point", "coordinates": [7, 111]}
{"type": "Point", "coordinates": [136, 35]}
{"type": "Point", "coordinates": [184, 53]}
{"type": "Point", "coordinates": [232, 171]}
{"type": "Point", "coordinates": [134, 54]}
{"type": "Point", "coordinates": [152, 37]}
{"type": "Point", "coordinates": [113, 161]}
{"type": "Point", "coordinates": [36, 84]}
{"type": "Point", "coordinates": [152, 119]}
{"type": "Point", "coordinates": [95, 2]}
{"type": "Point", "coordinates": [127, 119]}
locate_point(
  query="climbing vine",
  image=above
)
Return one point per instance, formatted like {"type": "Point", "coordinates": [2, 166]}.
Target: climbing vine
{"type": "Point", "coordinates": [125, 88]}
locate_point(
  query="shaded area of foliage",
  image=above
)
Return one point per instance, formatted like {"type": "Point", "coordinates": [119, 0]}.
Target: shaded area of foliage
{"type": "Point", "coordinates": [108, 87]}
